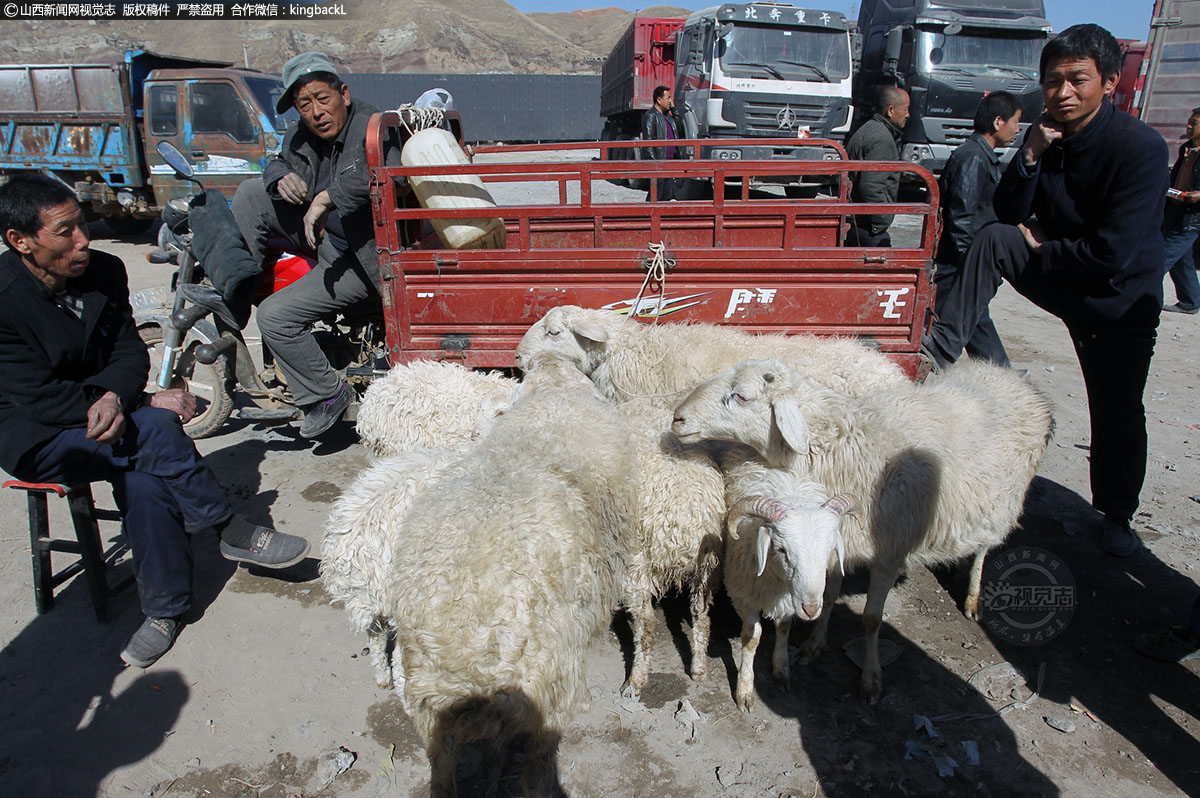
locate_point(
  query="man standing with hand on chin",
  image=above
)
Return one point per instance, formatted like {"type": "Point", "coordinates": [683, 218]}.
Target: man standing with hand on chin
{"type": "Point", "coordinates": [1080, 209]}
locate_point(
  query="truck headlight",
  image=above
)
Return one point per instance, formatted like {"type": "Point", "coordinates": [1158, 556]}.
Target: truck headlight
{"type": "Point", "coordinates": [727, 155]}
{"type": "Point", "coordinates": [915, 153]}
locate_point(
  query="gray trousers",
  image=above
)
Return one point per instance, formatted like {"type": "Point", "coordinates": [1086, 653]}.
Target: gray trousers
{"type": "Point", "coordinates": [285, 318]}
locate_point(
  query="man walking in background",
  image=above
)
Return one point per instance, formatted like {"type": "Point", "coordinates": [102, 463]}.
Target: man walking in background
{"type": "Point", "coordinates": [967, 184]}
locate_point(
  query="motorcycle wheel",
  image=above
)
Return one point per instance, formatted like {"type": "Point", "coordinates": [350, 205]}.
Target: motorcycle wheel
{"type": "Point", "coordinates": [208, 383]}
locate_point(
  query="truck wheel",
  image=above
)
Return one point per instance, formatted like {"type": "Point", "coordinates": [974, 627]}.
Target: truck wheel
{"type": "Point", "coordinates": [214, 401]}
{"type": "Point", "coordinates": [128, 225]}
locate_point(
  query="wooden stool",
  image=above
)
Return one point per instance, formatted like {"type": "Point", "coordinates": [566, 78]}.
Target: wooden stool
{"type": "Point", "coordinates": [92, 560]}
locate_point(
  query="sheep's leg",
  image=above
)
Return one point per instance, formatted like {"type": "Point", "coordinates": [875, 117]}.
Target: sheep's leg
{"type": "Point", "coordinates": [751, 632]}
{"type": "Point", "coordinates": [971, 603]}
{"type": "Point", "coordinates": [641, 607]}
{"type": "Point", "coordinates": [814, 644]}
{"type": "Point", "coordinates": [702, 599]}
{"type": "Point", "coordinates": [779, 662]}
{"type": "Point", "coordinates": [882, 579]}
{"type": "Point", "coordinates": [540, 776]}
{"type": "Point", "coordinates": [378, 634]}
{"type": "Point", "coordinates": [442, 766]}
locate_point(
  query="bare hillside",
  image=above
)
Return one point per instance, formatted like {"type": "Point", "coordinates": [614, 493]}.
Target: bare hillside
{"type": "Point", "coordinates": [415, 36]}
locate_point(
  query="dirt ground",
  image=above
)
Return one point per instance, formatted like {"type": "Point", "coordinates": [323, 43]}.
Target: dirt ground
{"type": "Point", "coordinates": [267, 690]}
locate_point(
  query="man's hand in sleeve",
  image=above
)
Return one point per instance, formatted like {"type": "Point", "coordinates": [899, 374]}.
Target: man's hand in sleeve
{"type": "Point", "coordinates": [1043, 133]}
{"type": "Point", "coordinates": [314, 218]}
{"type": "Point", "coordinates": [292, 188]}
{"type": "Point", "coordinates": [179, 402]}
{"type": "Point", "coordinates": [105, 419]}
{"type": "Point", "coordinates": [1033, 234]}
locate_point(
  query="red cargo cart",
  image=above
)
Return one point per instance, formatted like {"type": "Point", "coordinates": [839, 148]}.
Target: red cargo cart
{"type": "Point", "coordinates": [745, 255]}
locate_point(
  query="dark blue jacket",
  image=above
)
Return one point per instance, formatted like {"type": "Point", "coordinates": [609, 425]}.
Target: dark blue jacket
{"type": "Point", "coordinates": [53, 366]}
{"type": "Point", "coordinates": [1099, 197]}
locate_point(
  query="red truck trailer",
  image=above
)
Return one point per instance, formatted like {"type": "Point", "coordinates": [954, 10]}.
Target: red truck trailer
{"type": "Point", "coordinates": [748, 257]}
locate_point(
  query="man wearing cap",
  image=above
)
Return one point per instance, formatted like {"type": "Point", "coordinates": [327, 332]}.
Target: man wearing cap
{"type": "Point", "coordinates": [316, 194]}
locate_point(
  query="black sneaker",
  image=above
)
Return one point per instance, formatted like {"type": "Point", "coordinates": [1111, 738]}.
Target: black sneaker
{"type": "Point", "coordinates": [268, 548]}
{"type": "Point", "coordinates": [152, 639]}
{"type": "Point", "coordinates": [323, 415]}
{"type": "Point", "coordinates": [1117, 537]}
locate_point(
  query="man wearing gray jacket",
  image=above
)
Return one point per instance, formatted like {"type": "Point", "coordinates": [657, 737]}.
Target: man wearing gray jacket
{"type": "Point", "coordinates": [876, 141]}
{"type": "Point", "coordinates": [315, 193]}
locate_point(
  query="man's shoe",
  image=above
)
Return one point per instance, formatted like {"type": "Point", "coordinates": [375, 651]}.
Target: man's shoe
{"type": "Point", "coordinates": [1178, 308]}
{"type": "Point", "coordinates": [152, 639]}
{"type": "Point", "coordinates": [324, 415]}
{"type": "Point", "coordinates": [1117, 537]}
{"type": "Point", "coordinates": [1169, 645]}
{"type": "Point", "coordinates": [268, 548]}
{"type": "Point", "coordinates": [208, 297]}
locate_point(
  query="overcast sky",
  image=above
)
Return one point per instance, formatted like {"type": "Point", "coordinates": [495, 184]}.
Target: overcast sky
{"type": "Point", "coordinates": [1127, 19]}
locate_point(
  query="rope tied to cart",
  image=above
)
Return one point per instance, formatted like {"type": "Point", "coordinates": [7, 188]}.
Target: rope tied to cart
{"type": "Point", "coordinates": [656, 268]}
{"type": "Point", "coordinates": [413, 118]}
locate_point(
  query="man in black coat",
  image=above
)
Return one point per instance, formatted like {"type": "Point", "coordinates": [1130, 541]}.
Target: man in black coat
{"type": "Point", "coordinates": [1181, 226]}
{"type": "Point", "coordinates": [659, 123]}
{"type": "Point", "coordinates": [72, 407]}
{"type": "Point", "coordinates": [966, 185]}
{"type": "Point", "coordinates": [877, 140]}
{"type": "Point", "coordinates": [1096, 179]}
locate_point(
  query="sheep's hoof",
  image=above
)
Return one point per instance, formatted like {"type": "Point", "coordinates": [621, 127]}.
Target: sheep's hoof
{"type": "Point", "coordinates": [629, 689]}
{"type": "Point", "coordinates": [744, 703]}
{"type": "Point", "coordinates": [871, 690]}
{"type": "Point", "coordinates": [810, 654]}
{"type": "Point", "coordinates": [971, 610]}
{"type": "Point", "coordinates": [698, 674]}
{"type": "Point", "coordinates": [782, 679]}
{"type": "Point", "coordinates": [384, 682]}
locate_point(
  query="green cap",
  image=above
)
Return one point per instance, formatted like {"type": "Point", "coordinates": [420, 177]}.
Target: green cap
{"type": "Point", "coordinates": [296, 68]}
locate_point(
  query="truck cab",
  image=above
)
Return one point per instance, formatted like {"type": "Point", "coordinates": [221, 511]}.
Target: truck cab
{"type": "Point", "coordinates": [948, 55]}
{"type": "Point", "coordinates": [764, 70]}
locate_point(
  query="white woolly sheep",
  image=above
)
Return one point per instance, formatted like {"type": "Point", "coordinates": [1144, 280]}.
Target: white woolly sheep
{"type": "Point", "coordinates": [760, 565]}
{"type": "Point", "coordinates": [680, 535]}
{"type": "Point", "coordinates": [426, 404]}
{"type": "Point", "coordinates": [663, 362]}
{"type": "Point", "coordinates": [511, 559]}
{"type": "Point", "coordinates": [362, 533]}
{"type": "Point", "coordinates": [941, 469]}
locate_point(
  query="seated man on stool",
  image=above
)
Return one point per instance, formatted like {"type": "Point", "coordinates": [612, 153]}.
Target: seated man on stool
{"type": "Point", "coordinates": [72, 408]}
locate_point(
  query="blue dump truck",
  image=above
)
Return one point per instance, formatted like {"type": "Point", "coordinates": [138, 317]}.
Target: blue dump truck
{"type": "Point", "coordinates": [96, 127]}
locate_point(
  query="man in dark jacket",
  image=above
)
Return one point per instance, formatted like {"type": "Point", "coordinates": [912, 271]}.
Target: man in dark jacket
{"type": "Point", "coordinates": [659, 123]}
{"type": "Point", "coordinates": [316, 193]}
{"type": "Point", "coordinates": [877, 140]}
{"type": "Point", "coordinates": [967, 184]}
{"type": "Point", "coordinates": [72, 408]}
{"type": "Point", "coordinates": [1096, 179]}
{"type": "Point", "coordinates": [1182, 224]}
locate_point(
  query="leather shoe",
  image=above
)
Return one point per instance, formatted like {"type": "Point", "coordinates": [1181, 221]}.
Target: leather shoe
{"type": "Point", "coordinates": [208, 297]}
{"type": "Point", "coordinates": [1117, 537]}
{"type": "Point", "coordinates": [151, 640]}
{"type": "Point", "coordinates": [1178, 308]}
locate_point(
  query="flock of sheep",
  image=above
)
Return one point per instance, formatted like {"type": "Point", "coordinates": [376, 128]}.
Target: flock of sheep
{"type": "Point", "coordinates": [502, 522]}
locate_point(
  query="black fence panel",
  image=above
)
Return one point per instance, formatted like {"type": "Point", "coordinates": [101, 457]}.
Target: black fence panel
{"type": "Point", "coordinates": [509, 108]}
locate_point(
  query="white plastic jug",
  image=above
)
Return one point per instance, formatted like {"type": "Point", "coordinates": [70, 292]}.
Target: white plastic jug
{"type": "Point", "coordinates": [438, 147]}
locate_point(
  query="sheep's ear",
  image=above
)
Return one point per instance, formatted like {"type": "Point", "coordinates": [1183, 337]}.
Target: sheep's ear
{"type": "Point", "coordinates": [590, 330]}
{"type": "Point", "coordinates": [792, 426]}
{"type": "Point", "coordinates": [764, 547]}
{"type": "Point", "coordinates": [523, 391]}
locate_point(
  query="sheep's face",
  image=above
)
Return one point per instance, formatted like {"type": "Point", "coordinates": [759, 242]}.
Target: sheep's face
{"type": "Point", "coordinates": [797, 542]}
{"type": "Point", "coordinates": [567, 331]}
{"type": "Point", "coordinates": [491, 408]}
{"type": "Point", "coordinates": [749, 404]}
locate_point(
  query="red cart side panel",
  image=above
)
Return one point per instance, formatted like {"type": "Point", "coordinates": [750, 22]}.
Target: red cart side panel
{"type": "Point", "coordinates": [746, 256]}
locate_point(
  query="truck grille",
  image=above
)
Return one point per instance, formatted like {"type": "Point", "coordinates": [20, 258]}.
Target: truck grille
{"type": "Point", "coordinates": [763, 118]}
